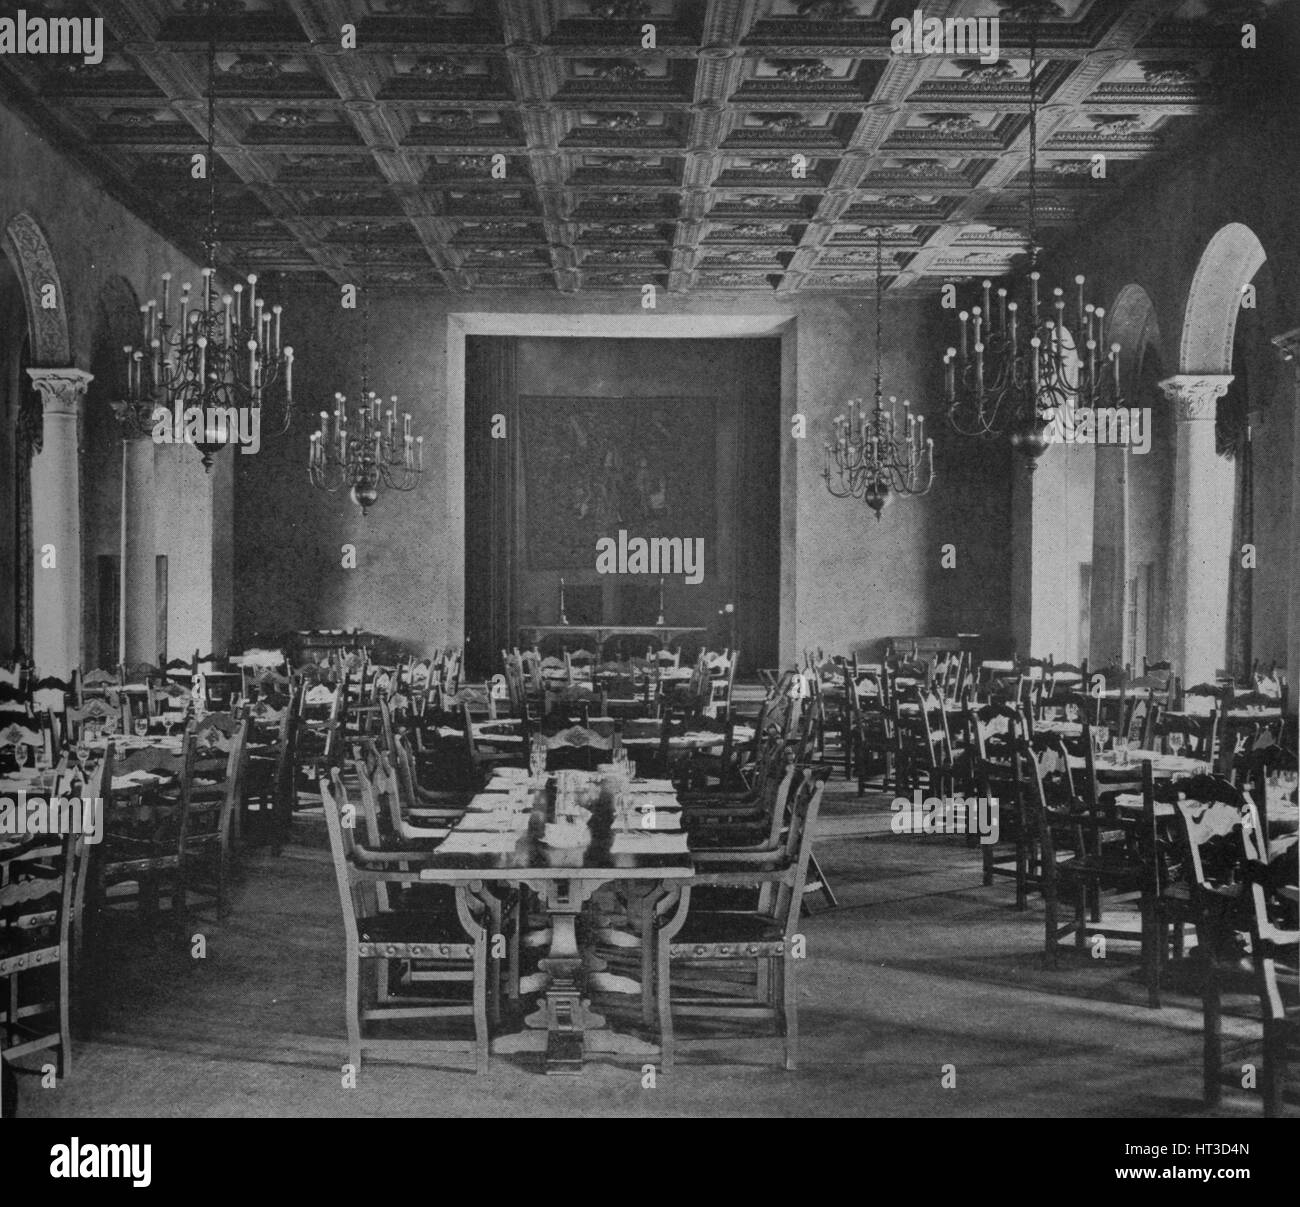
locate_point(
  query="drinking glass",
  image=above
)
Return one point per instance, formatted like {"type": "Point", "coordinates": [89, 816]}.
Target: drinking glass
{"type": "Point", "coordinates": [1177, 740]}
{"type": "Point", "coordinates": [1121, 749]}
{"type": "Point", "coordinates": [42, 767]}
{"type": "Point", "coordinates": [22, 753]}
{"type": "Point", "coordinates": [142, 727]}
{"type": "Point", "coordinates": [1100, 736]}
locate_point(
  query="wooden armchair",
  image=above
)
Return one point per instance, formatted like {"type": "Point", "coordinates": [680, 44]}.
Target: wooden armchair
{"type": "Point", "coordinates": [702, 940]}
{"type": "Point", "coordinates": [449, 943]}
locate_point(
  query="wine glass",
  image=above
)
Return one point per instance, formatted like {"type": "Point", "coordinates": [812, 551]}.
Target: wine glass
{"type": "Point", "coordinates": [1177, 740]}
{"type": "Point", "coordinates": [141, 727]}
{"type": "Point", "coordinates": [1100, 737]}
{"type": "Point", "coordinates": [43, 765]}
{"type": "Point", "coordinates": [22, 753]}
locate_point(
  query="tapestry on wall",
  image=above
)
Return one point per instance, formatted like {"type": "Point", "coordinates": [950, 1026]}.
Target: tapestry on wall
{"type": "Point", "coordinates": [593, 466]}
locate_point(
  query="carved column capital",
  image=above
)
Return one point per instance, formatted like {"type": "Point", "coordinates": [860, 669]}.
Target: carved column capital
{"type": "Point", "coordinates": [1194, 394]}
{"type": "Point", "coordinates": [61, 390]}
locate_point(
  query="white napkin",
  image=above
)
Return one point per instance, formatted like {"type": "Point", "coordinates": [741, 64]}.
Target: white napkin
{"type": "Point", "coordinates": [135, 779]}
{"type": "Point", "coordinates": [648, 842]}
{"type": "Point", "coordinates": [477, 842]}
{"type": "Point", "coordinates": [493, 823]}
{"type": "Point", "coordinates": [565, 836]}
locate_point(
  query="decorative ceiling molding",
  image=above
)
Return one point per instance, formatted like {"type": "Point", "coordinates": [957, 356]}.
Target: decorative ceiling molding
{"type": "Point", "coordinates": [450, 115]}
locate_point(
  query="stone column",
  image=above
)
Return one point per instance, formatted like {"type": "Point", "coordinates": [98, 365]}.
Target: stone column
{"type": "Point", "coordinates": [139, 608]}
{"type": "Point", "coordinates": [1288, 346]}
{"type": "Point", "coordinates": [1201, 516]}
{"type": "Point", "coordinates": [56, 523]}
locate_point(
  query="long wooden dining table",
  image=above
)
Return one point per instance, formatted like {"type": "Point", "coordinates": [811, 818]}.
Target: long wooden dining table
{"type": "Point", "coordinates": [564, 841]}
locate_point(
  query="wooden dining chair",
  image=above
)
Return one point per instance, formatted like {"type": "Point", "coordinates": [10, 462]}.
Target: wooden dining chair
{"type": "Point", "coordinates": [1075, 864]}
{"type": "Point", "coordinates": [41, 901]}
{"type": "Point", "coordinates": [451, 943]}
{"type": "Point", "coordinates": [482, 753]}
{"type": "Point", "coordinates": [703, 941]}
{"type": "Point", "coordinates": [1218, 855]}
{"type": "Point", "coordinates": [1275, 956]}
{"type": "Point", "coordinates": [924, 743]}
{"type": "Point", "coordinates": [388, 829]}
{"type": "Point", "coordinates": [138, 863]}
{"type": "Point", "coordinates": [269, 778]}
{"type": "Point", "coordinates": [999, 731]}
{"type": "Point", "coordinates": [418, 805]}
{"type": "Point", "coordinates": [721, 669]}
{"type": "Point", "coordinates": [210, 790]}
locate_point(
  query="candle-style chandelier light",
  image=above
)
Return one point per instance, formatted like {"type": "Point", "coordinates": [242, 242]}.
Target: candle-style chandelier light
{"type": "Point", "coordinates": [1018, 370]}
{"type": "Point", "coordinates": [210, 367]}
{"type": "Point", "coordinates": [872, 455]}
{"type": "Point", "coordinates": [371, 452]}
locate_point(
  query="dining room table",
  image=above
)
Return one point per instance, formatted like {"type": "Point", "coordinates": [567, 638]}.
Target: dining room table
{"type": "Point", "coordinates": [1064, 729]}
{"type": "Point", "coordinates": [1163, 766]}
{"type": "Point", "coordinates": [565, 836]}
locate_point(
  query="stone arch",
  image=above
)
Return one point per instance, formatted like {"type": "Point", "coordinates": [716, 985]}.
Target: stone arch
{"type": "Point", "coordinates": [1134, 326]}
{"type": "Point", "coordinates": [1204, 497]}
{"type": "Point", "coordinates": [29, 250]}
{"type": "Point", "coordinates": [1230, 261]}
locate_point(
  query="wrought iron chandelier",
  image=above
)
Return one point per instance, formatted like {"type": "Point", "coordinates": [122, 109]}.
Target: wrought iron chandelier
{"type": "Point", "coordinates": [1018, 370]}
{"type": "Point", "coordinates": [206, 370]}
{"type": "Point", "coordinates": [875, 456]}
{"type": "Point", "coordinates": [372, 452]}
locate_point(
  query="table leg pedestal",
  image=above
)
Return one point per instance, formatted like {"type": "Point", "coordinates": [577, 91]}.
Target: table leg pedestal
{"type": "Point", "coordinates": [564, 1026]}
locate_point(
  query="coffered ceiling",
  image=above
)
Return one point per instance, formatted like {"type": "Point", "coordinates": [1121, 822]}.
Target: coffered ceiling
{"type": "Point", "coordinates": [622, 166]}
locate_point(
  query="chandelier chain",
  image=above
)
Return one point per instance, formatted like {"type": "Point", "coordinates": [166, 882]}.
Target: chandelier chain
{"type": "Point", "coordinates": [210, 235]}
{"type": "Point", "coordinates": [365, 312]}
{"type": "Point", "coordinates": [880, 281]}
{"type": "Point", "coordinates": [1033, 139]}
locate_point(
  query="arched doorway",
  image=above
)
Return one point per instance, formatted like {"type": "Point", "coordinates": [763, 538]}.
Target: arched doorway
{"type": "Point", "coordinates": [1205, 483]}
{"type": "Point", "coordinates": [15, 456]}
{"type": "Point", "coordinates": [46, 468]}
{"type": "Point", "coordinates": [1129, 569]}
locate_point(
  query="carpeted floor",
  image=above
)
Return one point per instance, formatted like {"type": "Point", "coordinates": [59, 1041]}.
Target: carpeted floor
{"type": "Point", "coordinates": [919, 967]}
